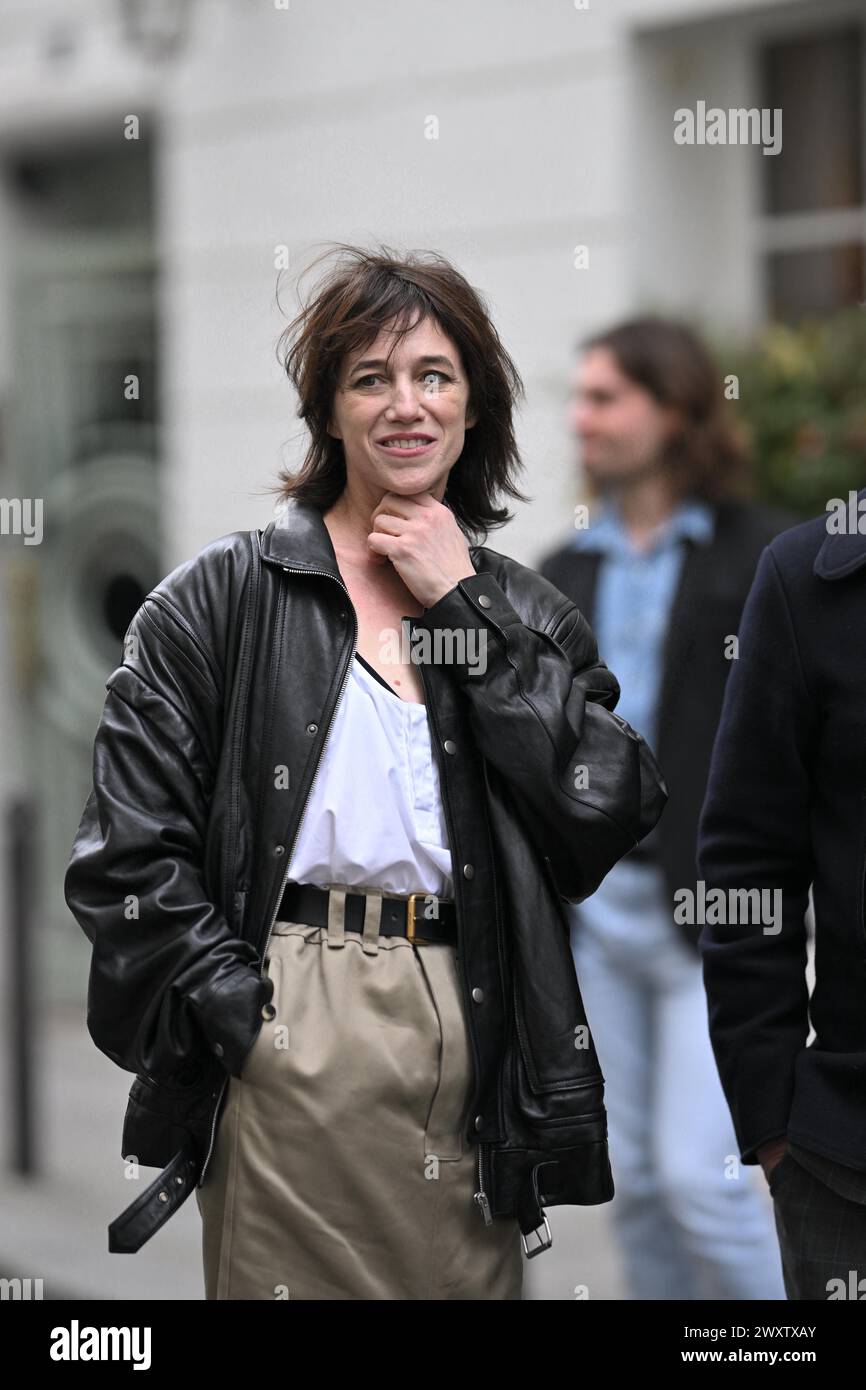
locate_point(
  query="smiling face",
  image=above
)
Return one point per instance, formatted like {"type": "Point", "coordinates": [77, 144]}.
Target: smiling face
{"type": "Point", "coordinates": [402, 422]}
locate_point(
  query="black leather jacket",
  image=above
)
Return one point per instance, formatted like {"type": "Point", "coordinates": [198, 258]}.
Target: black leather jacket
{"type": "Point", "coordinates": [233, 667]}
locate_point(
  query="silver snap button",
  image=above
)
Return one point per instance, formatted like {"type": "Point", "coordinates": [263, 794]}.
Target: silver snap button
{"type": "Point", "coordinates": [484, 600]}
{"type": "Point", "coordinates": [479, 1121]}
{"type": "Point", "coordinates": [450, 746]}
{"type": "Point", "coordinates": [268, 1011]}
{"type": "Point", "coordinates": [312, 728]}
{"type": "Point", "coordinates": [468, 871]}
{"type": "Point", "coordinates": [218, 1049]}
{"type": "Point", "coordinates": [279, 849]}
{"type": "Point", "coordinates": [179, 1180]}
{"type": "Point", "coordinates": [163, 1195]}
{"type": "Point", "coordinates": [477, 994]}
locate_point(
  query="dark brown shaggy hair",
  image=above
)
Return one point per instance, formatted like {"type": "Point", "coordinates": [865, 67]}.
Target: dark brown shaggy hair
{"type": "Point", "coordinates": [706, 458]}
{"type": "Point", "coordinates": [363, 293]}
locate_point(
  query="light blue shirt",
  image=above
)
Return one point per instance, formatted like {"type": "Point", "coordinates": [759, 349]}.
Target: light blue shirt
{"type": "Point", "coordinates": [634, 596]}
{"type": "Point", "coordinates": [633, 602]}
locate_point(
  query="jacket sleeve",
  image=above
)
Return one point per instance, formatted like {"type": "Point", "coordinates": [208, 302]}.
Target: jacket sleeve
{"type": "Point", "coordinates": [586, 785]}
{"type": "Point", "coordinates": [754, 834]}
{"type": "Point", "coordinates": [168, 978]}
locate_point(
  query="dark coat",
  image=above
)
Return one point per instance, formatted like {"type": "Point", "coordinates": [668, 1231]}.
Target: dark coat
{"type": "Point", "coordinates": [786, 809]}
{"type": "Point", "coordinates": [712, 589]}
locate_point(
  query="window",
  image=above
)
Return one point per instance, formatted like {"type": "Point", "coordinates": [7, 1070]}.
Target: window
{"type": "Point", "coordinates": [813, 225]}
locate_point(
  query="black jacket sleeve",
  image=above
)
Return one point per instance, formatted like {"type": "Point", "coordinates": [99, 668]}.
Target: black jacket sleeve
{"type": "Point", "coordinates": [754, 834]}
{"type": "Point", "coordinates": [168, 978]}
{"type": "Point", "coordinates": [586, 785]}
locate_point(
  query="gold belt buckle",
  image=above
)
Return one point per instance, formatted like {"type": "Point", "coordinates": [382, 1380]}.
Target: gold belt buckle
{"type": "Point", "coordinates": [410, 925]}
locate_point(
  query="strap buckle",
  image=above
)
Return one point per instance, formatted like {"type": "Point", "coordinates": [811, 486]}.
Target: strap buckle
{"type": "Point", "coordinates": [410, 919]}
{"type": "Point", "coordinates": [544, 1242]}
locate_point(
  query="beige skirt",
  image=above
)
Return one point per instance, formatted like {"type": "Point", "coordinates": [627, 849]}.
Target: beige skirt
{"type": "Point", "coordinates": [340, 1169]}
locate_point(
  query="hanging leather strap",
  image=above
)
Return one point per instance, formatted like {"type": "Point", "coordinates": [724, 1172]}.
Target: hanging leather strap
{"type": "Point", "coordinates": [152, 1208]}
{"type": "Point", "coordinates": [530, 1213]}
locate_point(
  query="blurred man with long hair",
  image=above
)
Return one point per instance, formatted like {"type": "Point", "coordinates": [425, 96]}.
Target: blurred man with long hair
{"type": "Point", "coordinates": [662, 572]}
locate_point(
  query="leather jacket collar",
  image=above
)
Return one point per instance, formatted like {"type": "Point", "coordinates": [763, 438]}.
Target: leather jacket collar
{"type": "Point", "coordinates": [299, 536]}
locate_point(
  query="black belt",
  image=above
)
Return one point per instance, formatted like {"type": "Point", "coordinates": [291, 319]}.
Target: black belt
{"type": "Point", "coordinates": [305, 903]}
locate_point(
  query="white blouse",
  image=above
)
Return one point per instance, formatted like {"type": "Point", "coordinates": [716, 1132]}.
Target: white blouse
{"type": "Point", "coordinates": [374, 818]}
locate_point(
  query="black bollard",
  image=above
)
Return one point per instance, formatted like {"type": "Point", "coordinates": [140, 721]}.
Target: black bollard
{"type": "Point", "coordinates": [20, 1011]}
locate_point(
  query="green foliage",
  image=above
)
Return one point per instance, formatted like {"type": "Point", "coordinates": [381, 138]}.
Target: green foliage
{"type": "Point", "coordinates": [802, 406]}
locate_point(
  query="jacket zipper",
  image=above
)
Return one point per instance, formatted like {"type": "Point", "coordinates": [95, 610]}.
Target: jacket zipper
{"type": "Point", "coordinates": [288, 569]}
{"type": "Point", "coordinates": [481, 1197]}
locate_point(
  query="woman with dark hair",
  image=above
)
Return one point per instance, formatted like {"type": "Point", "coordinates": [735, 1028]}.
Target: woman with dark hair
{"type": "Point", "coordinates": [364, 293]}
{"type": "Point", "coordinates": [347, 987]}
{"type": "Point", "coordinates": [662, 572]}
